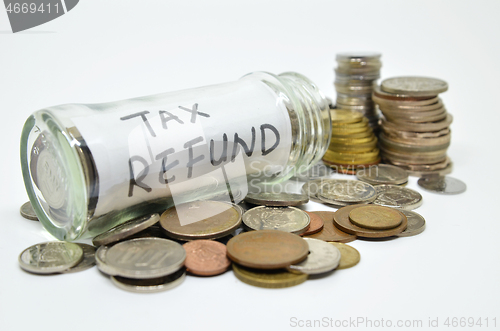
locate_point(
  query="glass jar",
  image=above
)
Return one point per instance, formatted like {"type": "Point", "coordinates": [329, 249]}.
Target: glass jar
{"type": "Point", "coordinates": [90, 167]}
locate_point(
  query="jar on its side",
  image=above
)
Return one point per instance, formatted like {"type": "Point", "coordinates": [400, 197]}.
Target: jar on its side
{"type": "Point", "coordinates": [90, 167]}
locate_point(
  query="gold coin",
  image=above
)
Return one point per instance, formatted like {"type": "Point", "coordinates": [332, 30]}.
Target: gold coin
{"type": "Point", "coordinates": [354, 148]}
{"type": "Point", "coordinates": [349, 255]}
{"type": "Point", "coordinates": [278, 278]}
{"type": "Point", "coordinates": [344, 126]}
{"type": "Point", "coordinates": [351, 141]}
{"type": "Point", "coordinates": [375, 217]}
{"type": "Point", "coordinates": [201, 220]}
{"type": "Point", "coordinates": [352, 158]}
{"type": "Point", "coordinates": [340, 134]}
{"type": "Point", "coordinates": [345, 116]}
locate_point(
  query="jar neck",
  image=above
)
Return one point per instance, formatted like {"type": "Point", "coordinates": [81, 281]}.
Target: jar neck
{"type": "Point", "coordinates": [309, 114]}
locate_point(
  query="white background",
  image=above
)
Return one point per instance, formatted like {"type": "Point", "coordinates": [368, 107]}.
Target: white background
{"type": "Point", "coordinates": [110, 50]}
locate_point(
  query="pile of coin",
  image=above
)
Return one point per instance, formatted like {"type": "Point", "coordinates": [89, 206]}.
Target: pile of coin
{"type": "Point", "coordinates": [338, 193]}
{"type": "Point", "coordinates": [415, 125]}
{"type": "Point", "coordinates": [355, 77]}
{"type": "Point", "coordinates": [353, 144]}
{"type": "Point", "coordinates": [138, 257]}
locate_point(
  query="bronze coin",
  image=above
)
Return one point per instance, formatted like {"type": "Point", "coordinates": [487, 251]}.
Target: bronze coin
{"type": "Point", "coordinates": [206, 257]}
{"type": "Point", "coordinates": [330, 232]}
{"type": "Point", "coordinates": [316, 224]}
{"type": "Point", "coordinates": [376, 217]}
{"type": "Point", "coordinates": [341, 220]}
{"type": "Point", "coordinates": [267, 249]}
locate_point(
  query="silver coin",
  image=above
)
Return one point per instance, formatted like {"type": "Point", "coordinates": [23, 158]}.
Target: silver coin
{"type": "Point", "coordinates": [397, 197]}
{"type": "Point", "coordinates": [383, 174]}
{"type": "Point", "coordinates": [323, 257]}
{"type": "Point", "coordinates": [88, 260]}
{"type": "Point", "coordinates": [143, 258]}
{"type": "Point", "coordinates": [358, 56]}
{"type": "Point", "coordinates": [414, 86]}
{"type": "Point", "coordinates": [28, 212]}
{"type": "Point", "coordinates": [288, 219]}
{"type": "Point", "coordinates": [100, 260]}
{"type": "Point", "coordinates": [311, 189]}
{"type": "Point", "coordinates": [150, 285]}
{"type": "Point", "coordinates": [442, 184]}
{"type": "Point", "coordinates": [50, 257]}
{"type": "Point", "coordinates": [346, 191]}
{"type": "Point", "coordinates": [416, 224]}
{"type": "Point", "coordinates": [276, 199]}
{"type": "Point", "coordinates": [125, 230]}
{"type": "Point", "coordinates": [316, 171]}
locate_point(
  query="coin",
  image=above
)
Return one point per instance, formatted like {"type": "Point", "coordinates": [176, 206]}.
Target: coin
{"type": "Point", "coordinates": [143, 258]}
{"type": "Point", "coordinates": [419, 127]}
{"type": "Point", "coordinates": [330, 232]}
{"type": "Point", "coordinates": [288, 219]}
{"type": "Point", "coordinates": [376, 217]}
{"type": "Point", "coordinates": [315, 226]}
{"type": "Point", "coordinates": [442, 184]}
{"type": "Point", "coordinates": [278, 278]}
{"type": "Point", "coordinates": [206, 257]}
{"type": "Point", "coordinates": [342, 221]}
{"type": "Point", "coordinates": [383, 174]}
{"type": "Point", "coordinates": [348, 191]}
{"type": "Point", "coordinates": [50, 257]}
{"type": "Point", "coordinates": [28, 212]}
{"type": "Point", "coordinates": [88, 260]}
{"type": "Point", "coordinates": [414, 86]}
{"type": "Point", "coordinates": [276, 199]}
{"type": "Point", "coordinates": [152, 285]}
{"type": "Point", "coordinates": [100, 260]}
{"type": "Point", "coordinates": [267, 249]}
{"type": "Point", "coordinates": [416, 224]}
{"type": "Point", "coordinates": [322, 258]}
{"type": "Point", "coordinates": [397, 197]}
{"type": "Point", "coordinates": [224, 218]}
{"type": "Point", "coordinates": [125, 230]}
{"type": "Point", "coordinates": [349, 255]}
{"type": "Point", "coordinates": [344, 116]}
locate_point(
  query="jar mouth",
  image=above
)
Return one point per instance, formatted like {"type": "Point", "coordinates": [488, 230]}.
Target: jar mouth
{"type": "Point", "coordinates": [53, 176]}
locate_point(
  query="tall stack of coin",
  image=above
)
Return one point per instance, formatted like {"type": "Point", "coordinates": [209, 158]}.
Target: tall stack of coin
{"type": "Point", "coordinates": [353, 144]}
{"type": "Point", "coordinates": [415, 127]}
{"type": "Point", "coordinates": [355, 78]}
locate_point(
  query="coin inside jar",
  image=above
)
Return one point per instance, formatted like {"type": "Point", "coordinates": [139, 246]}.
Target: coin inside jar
{"type": "Point", "coordinates": [376, 217]}
{"type": "Point", "coordinates": [267, 249]}
{"type": "Point", "coordinates": [206, 257]}
{"type": "Point", "coordinates": [201, 220]}
{"type": "Point", "coordinates": [125, 230]}
{"type": "Point", "coordinates": [288, 219]}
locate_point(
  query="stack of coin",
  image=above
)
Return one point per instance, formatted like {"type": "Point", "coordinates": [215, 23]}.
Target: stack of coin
{"type": "Point", "coordinates": [370, 221]}
{"type": "Point", "coordinates": [353, 144]}
{"type": "Point", "coordinates": [276, 259]}
{"type": "Point", "coordinates": [143, 265]}
{"type": "Point", "coordinates": [415, 125]}
{"type": "Point", "coordinates": [355, 77]}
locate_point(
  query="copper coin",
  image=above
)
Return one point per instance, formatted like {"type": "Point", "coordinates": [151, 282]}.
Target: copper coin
{"type": "Point", "coordinates": [267, 249]}
{"type": "Point", "coordinates": [376, 217]}
{"type": "Point", "coordinates": [315, 226]}
{"type": "Point", "coordinates": [330, 232]}
{"type": "Point", "coordinates": [341, 220]}
{"type": "Point", "coordinates": [206, 257]}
